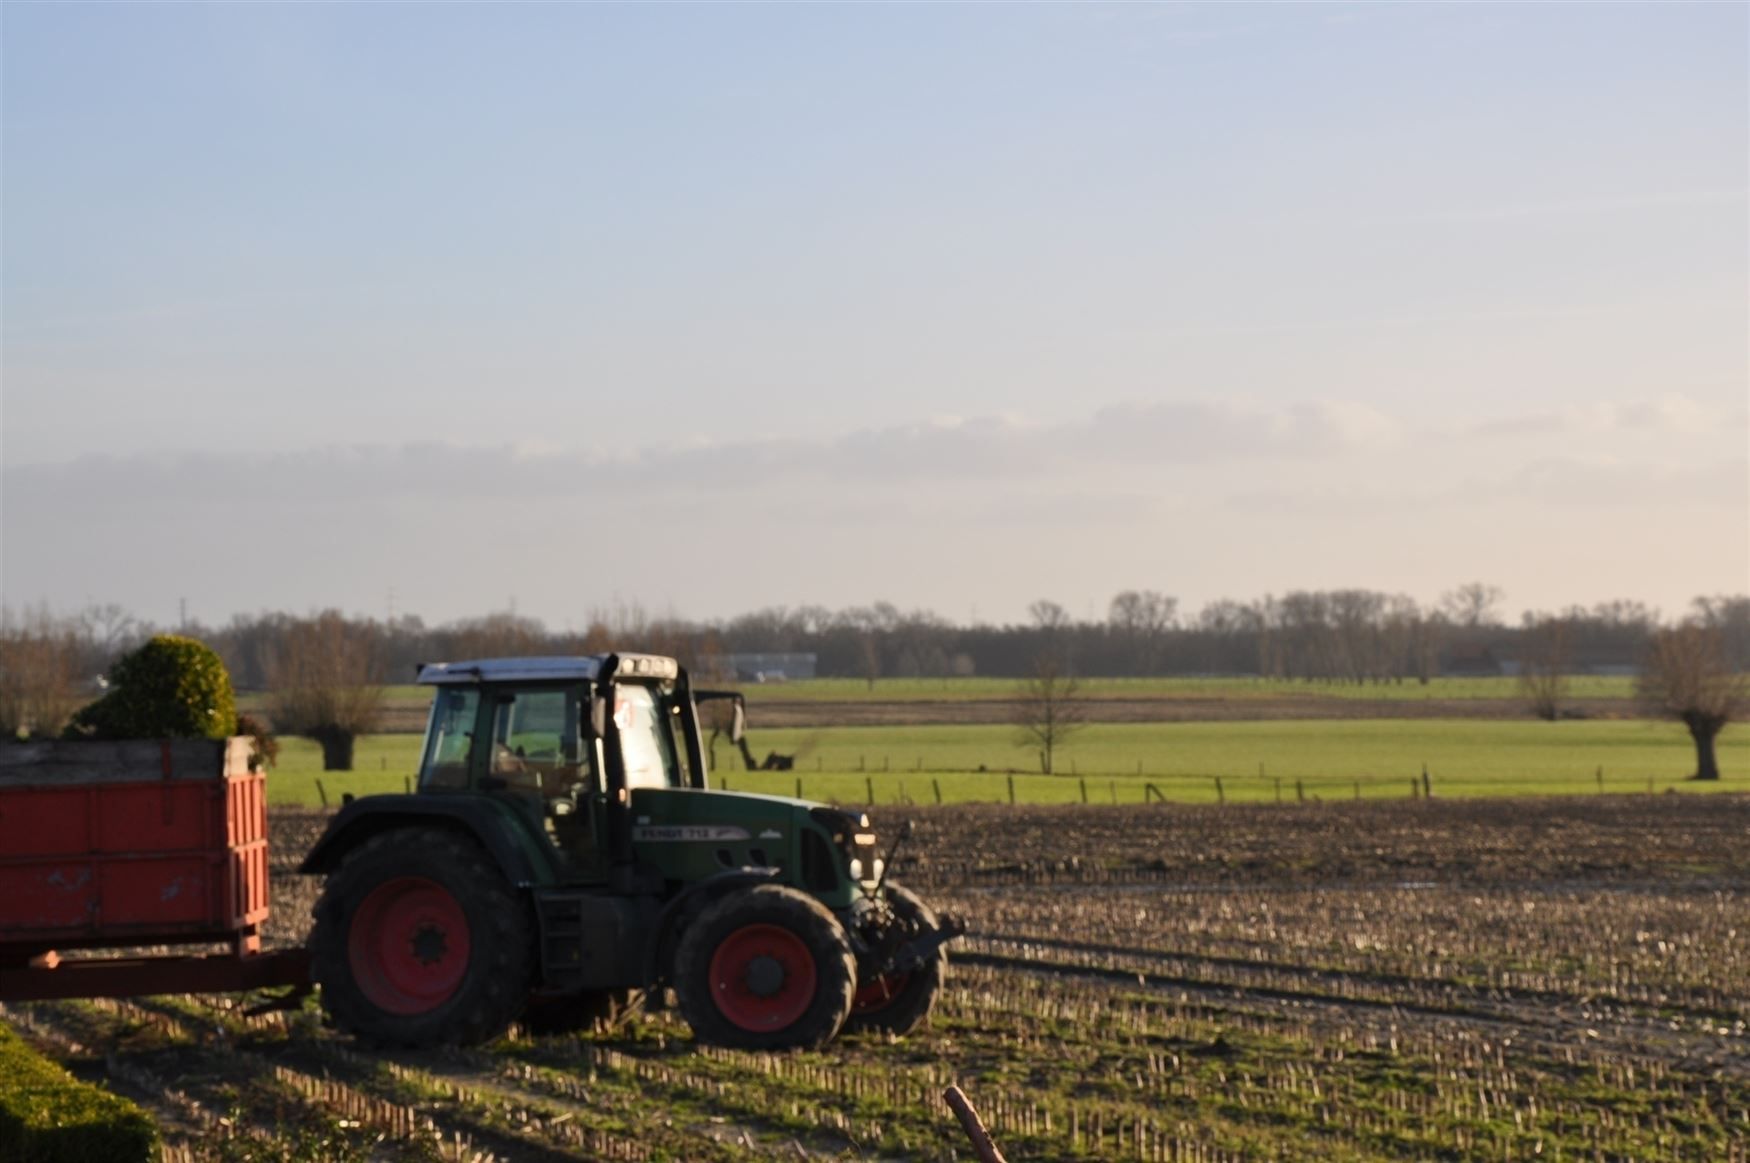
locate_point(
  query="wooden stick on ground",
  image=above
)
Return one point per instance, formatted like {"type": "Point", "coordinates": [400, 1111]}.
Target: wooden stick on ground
{"type": "Point", "coordinates": [974, 1127]}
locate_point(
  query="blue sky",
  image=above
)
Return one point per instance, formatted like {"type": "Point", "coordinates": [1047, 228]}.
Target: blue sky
{"type": "Point", "coordinates": [719, 306]}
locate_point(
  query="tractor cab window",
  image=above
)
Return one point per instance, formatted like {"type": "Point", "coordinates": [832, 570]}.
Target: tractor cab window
{"type": "Point", "coordinates": [535, 741]}
{"type": "Point", "coordinates": [646, 737]}
{"type": "Point", "coordinates": [449, 737]}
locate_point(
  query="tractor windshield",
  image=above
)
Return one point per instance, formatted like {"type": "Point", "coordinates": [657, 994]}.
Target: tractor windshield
{"type": "Point", "coordinates": [448, 738]}
{"type": "Point", "coordinates": [646, 737]}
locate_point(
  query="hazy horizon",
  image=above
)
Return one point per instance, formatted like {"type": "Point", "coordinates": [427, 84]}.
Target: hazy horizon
{"type": "Point", "coordinates": [709, 309]}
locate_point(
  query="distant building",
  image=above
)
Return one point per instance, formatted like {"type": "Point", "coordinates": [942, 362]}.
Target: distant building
{"type": "Point", "coordinates": [762, 667]}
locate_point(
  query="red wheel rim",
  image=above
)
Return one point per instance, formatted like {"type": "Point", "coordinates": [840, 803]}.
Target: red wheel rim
{"type": "Point", "coordinates": [879, 994]}
{"type": "Point", "coordinates": [408, 946]}
{"type": "Point", "coordinates": [762, 977]}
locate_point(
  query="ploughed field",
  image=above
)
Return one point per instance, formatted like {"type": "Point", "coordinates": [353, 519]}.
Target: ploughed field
{"type": "Point", "coordinates": [1504, 979]}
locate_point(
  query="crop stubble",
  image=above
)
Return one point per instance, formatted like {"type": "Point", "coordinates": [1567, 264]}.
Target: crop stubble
{"type": "Point", "coordinates": [1526, 978]}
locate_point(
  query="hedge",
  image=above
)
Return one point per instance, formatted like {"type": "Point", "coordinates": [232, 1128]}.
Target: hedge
{"type": "Point", "coordinates": [48, 1116]}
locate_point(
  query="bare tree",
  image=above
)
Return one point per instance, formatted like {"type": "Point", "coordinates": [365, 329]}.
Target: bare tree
{"type": "Point", "coordinates": [1543, 672]}
{"type": "Point", "coordinates": [40, 675]}
{"type": "Point", "coordinates": [1050, 710]}
{"type": "Point", "coordinates": [1688, 677]}
{"type": "Point", "coordinates": [1048, 615]}
{"type": "Point", "coordinates": [1472, 605]}
{"type": "Point", "coordinates": [1141, 618]}
{"type": "Point", "coordinates": [326, 679]}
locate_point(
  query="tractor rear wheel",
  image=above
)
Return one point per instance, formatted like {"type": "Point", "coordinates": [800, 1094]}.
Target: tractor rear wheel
{"type": "Point", "coordinates": [420, 941]}
{"type": "Point", "coordinates": [765, 969]}
{"type": "Point", "coordinates": [898, 1003]}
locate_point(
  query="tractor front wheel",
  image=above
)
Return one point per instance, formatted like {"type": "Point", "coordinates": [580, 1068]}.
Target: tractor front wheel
{"type": "Point", "coordinates": [765, 969]}
{"type": "Point", "coordinates": [420, 941]}
{"type": "Point", "coordinates": [898, 1003]}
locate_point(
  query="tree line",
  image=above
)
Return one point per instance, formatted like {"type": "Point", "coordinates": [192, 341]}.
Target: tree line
{"type": "Point", "coordinates": [325, 672]}
{"type": "Point", "coordinates": [1332, 636]}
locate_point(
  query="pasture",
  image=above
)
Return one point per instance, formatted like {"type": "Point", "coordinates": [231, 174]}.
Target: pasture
{"type": "Point", "coordinates": [1256, 761]}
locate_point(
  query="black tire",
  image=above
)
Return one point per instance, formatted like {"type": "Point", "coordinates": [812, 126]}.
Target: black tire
{"type": "Point", "coordinates": [544, 1016]}
{"type": "Point", "coordinates": [899, 1004]}
{"type": "Point", "coordinates": [767, 968]}
{"type": "Point", "coordinates": [420, 941]}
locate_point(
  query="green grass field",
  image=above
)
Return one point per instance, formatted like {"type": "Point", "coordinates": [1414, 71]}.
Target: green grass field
{"type": "Point", "coordinates": [852, 690]}
{"type": "Point", "coordinates": [856, 690]}
{"type": "Point", "coordinates": [1256, 761]}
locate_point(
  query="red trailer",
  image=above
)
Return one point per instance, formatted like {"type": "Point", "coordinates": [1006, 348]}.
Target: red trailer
{"type": "Point", "coordinates": [121, 845]}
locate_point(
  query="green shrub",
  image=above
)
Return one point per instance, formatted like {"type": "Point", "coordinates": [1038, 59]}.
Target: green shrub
{"type": "Point", "coordinates": [170, 688]}
{"type": "Point", "coordinates": [48, 1116]}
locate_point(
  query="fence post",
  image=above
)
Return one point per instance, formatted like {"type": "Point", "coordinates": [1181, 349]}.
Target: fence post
{"type": "Point", "coordinates": [1220, 795]}
{"type": "Point", "coordinates": [1011, 788]}
{"type": "Point", "coordinates": [1600, 779]}
{"type": "Point", "coordinates": [1084, 789]}
{"type": "Point", "coordinates": [1278, 783]}
{"type": "Point", "coordinates": [1114, 791]}
{"type": "Point", "coordinates": [322, 793]}
{"type": "Point", "coordinates": [1427, 787]}
{"type": "Point", "coordinates": [1300, 791]}
{"type": "Point", "coordinates": [937, 784]}
{"type": "Point", "coordinates": [1415, 787]}
{"type": "Point", "coordinates": [869, 786]}
{"type": "Point", "coordinates": [407, 784]}
{"type": "Point", "coordinates": [799, 787]}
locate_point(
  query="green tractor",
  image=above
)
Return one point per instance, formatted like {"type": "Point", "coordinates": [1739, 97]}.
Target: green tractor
{"type": "Point", "coordinates": [565, 852]}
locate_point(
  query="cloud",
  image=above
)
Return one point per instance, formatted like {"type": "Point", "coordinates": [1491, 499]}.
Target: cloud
{"type": "Point", "coordinates": [977, 449]}
{"type": "Point", "coordinates": [1673, 414]}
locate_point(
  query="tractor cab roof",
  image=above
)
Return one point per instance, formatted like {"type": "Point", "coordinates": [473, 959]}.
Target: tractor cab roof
{"type": "Point", "coordinates": [584, 668]}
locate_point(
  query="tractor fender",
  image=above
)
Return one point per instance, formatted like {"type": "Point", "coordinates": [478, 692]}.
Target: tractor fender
{"type": "Point", "coordinates": [688, 903]}
{"type": "Point", "coordinates": [521, 855]}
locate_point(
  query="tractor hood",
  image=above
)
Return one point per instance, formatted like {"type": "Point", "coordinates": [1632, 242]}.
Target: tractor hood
{"type": "Point", "coordinates": [691, 834]}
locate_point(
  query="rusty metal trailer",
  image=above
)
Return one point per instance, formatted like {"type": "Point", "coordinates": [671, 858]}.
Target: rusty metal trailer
{"type": "Point", "coordinates": [110, 848]}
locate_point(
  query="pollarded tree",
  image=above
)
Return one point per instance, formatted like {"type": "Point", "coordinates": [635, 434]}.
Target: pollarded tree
{"type": "Point", "coordinates": [326, 680]}
{"type": "Point", "coordinates": [1050, 710]}
{"type": "Point", "coordinates": [1688, 677]}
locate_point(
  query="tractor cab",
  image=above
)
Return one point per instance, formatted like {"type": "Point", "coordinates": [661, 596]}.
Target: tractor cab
{"type": "Point", "coordinates": [583, 746]}
{"type": "Point", "coordinates": [565, 837]}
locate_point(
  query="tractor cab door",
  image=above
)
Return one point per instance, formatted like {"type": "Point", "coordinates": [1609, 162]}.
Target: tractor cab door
{"type": "Point", "coordinates": [537, 752]}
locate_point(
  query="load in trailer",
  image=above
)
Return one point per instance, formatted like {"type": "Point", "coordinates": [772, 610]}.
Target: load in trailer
{"type": "Point", "coordinates": [565, 849]}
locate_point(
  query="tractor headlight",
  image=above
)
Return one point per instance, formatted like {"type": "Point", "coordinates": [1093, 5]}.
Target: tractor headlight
{"type": "Point", "coordinates": [856, 869]}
